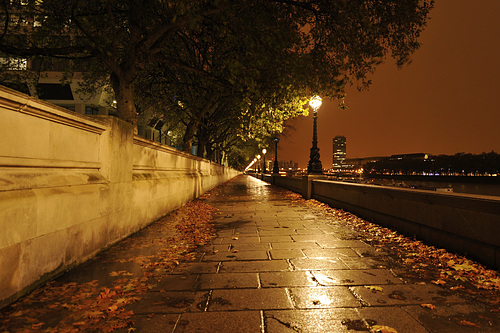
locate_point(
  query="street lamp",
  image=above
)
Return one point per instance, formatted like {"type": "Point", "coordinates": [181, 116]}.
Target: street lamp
{"type": "Point", "coordinates": [254, 166]}
{"type": "Point", "coordinates": [276, 168]}
{"type": "Point", "coordinates": [249, 166]}
{"type": "Point", "coordinates": [258, 163]}
{"type": "Point", "coordinates": [314, 166]}
{"type": "Point", "coordinates": [264, 151]}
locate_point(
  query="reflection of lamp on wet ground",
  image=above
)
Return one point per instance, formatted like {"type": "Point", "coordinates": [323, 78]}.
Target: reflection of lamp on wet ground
{"type": "Point", "coordinates": [264, 151]}
{"type": "Point", "coordinates": [276, 168]}
{"type": "Point", "coordinates": [314, 166]}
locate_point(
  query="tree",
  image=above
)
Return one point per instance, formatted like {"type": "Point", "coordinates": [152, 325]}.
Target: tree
{"type": "Point", "coordinates": [270, 56]}
{"type": "Point", "coordinates": [121, 36]}
{"type": "Point", "coordinates": [259, 60]}
{"type": "Point", "coordinates": [220, 82]}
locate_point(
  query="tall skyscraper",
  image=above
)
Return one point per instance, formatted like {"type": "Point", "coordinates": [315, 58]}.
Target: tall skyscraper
{"type": "Point", "coordinates": [339, 151]}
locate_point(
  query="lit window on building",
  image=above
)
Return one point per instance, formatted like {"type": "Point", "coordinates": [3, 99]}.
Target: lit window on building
{"type": "Point", "coordinates": [339, 151]}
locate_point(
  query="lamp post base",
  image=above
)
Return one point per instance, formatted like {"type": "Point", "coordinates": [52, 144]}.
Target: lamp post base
{"type": "Point", "coordinates": [314, 166]}
{"type": "Point", "coordinates": [276, 168]}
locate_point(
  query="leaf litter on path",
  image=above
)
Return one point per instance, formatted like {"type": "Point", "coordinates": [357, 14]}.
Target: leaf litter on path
{"type": "Point", "coordinates": [99, 304]}
{"type": "Point", "coordinates": [423, 263]}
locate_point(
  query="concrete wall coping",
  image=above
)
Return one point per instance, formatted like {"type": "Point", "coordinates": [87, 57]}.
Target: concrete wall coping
{"type": "Point", "coordinates": [167, 149]}
{"type": "Point", "coordinates": [19, 102]}
{"type": "Point", "coordinates": [475, 202]}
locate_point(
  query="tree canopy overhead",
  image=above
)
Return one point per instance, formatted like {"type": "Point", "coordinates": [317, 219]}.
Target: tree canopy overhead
{"type": "Point", "coordinates": [247, 63]}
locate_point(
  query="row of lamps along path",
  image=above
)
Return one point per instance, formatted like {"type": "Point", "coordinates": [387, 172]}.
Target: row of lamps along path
{"type": "Point", "coordinates": [314, 166]}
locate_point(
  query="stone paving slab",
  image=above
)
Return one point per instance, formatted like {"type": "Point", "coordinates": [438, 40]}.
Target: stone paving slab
{"type": "Point", "coordinates": [255, 266]}
{"type": "Point", "coordinates": [307, 232]}
{"type": "Point", "coordinates": [235, 321]}
{"type": "Point", "coordinates": [249, 299]}
{"type": "Point", "coordinates": [276, 239]}
{"type": "Point", "coordinates": [287, 254]}
{"type": "Point", "coordinates": [291, 268]}
{"type": "Point", "coordinates": [314, 238]}
{"type": "Point", "coordinates": [362, 263]}
{"type": "Point", "coordinates": [239, 255]}
{"type": "Point", "coordinates": [178, 283]}
{"type": "Point", "coordinates": [342, 244]}
{"type": "Point", "coordinates": [171, 302]}
{"type": "Point", "coordinates": [355, 277]}
{"type": "Point", "coordinates": [228, 281]}
{"type": "Point", "coordinates": [278, 265]}
{"type": "Point", "coordinates": [405, 295]}
{"type": "Point", "coordinates": [393, 317]}
{"type": "Point", "coordinates": [287, 279]}
{"type": "Point", "coordinates": [294, 245]}
{"type": "Point", "coordinates": [445, 319]}
{"type": "Point", "coordinates": [318, 264]}
{"type": "Point", "coordinates": [330, 253]}
{"type": "Point", "coordinates": [323, 298]}
{"type": "Point", "coordinates": [156, 323]}
{"type": "Point", "coordinates": [248, 247]}
{"type": "Point", "coordinates": [313, 321]}
{"type": "Point", "coordinates": [196, 268]}
{"type": "Point", "coordinates": [278, 231]}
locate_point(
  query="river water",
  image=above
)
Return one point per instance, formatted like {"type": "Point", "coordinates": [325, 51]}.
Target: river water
{"type": "Point", "coordinates": [470, 187]}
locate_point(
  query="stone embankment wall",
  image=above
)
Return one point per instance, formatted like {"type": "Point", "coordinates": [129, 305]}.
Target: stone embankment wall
{"type": "Point", "coordinates": [467, 224]}
{"type": "Point", "coordinates": [72, 185]}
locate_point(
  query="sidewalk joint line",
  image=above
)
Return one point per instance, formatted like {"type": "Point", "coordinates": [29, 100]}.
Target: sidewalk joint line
{"type": "Point", "coordinates": [290, 297]}
{"type": "Point", "coordinates": [262, 322]}
{"type": "Point", "coordinates": [219, 265]}
{"type": "Point", "coordinates": [288, 325]}
{"type": "Point", "coordinates": [209, 298]}
{"type": "Point", "coordinates": [291, 265]}
{"type": "Point", "coordinates": [176, 322]}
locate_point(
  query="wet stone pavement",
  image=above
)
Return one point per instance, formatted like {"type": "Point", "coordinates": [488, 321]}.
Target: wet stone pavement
{"type": "Point", "coordinates": [277, 265]}
{"type": "Point", "coordinates": [280, 266]}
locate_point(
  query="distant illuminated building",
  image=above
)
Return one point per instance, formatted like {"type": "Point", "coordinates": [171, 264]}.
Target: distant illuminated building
{"type": "Point", "coordinates": [288, 165]}
{"type": "Point", "coordinates": [339, 151]}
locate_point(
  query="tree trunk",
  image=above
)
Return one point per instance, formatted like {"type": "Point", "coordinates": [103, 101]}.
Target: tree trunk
{"type": "Point", "coordinates": [187, 140]}
{"type": "Point", "coordinates": [210, 152]}
{"type": "Point", "coordinates": [202, 139]}
{"type": "Point", "coordinates": [193, 124]}
{"type": "Point", "coordinates": [124, 99]}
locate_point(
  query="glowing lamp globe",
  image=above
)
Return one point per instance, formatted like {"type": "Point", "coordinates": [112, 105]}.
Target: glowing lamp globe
{"type": "Point", "coordinates": [315, 102]}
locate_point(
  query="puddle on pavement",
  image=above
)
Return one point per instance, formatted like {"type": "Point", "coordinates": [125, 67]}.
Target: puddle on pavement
{"type": "Point", "coordinates": [396, 294]}
{"type": "Point", "coordinates": [358, 325]}
{"type": "Point", "coordinates": [221, 301]}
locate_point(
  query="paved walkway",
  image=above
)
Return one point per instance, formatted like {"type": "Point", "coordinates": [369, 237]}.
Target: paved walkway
{"type": "Point", "coordinates": [280, 266]}
{"type": "Point", "coordinates": [277, 265]}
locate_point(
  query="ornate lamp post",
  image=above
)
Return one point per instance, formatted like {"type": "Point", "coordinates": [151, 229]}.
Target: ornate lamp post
{"type": "Point", "coordinates": [314, 166]}
{"type": "Point", "coordinates": [264, 151]}
{"type": "Point", "coordinates": [258, 163]}
{"type": "Point", "coordinates": [276, 168]}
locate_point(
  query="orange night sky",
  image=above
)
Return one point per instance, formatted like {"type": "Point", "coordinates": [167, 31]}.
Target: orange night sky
{"type": "Point", "coordinates": [446, 101]}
